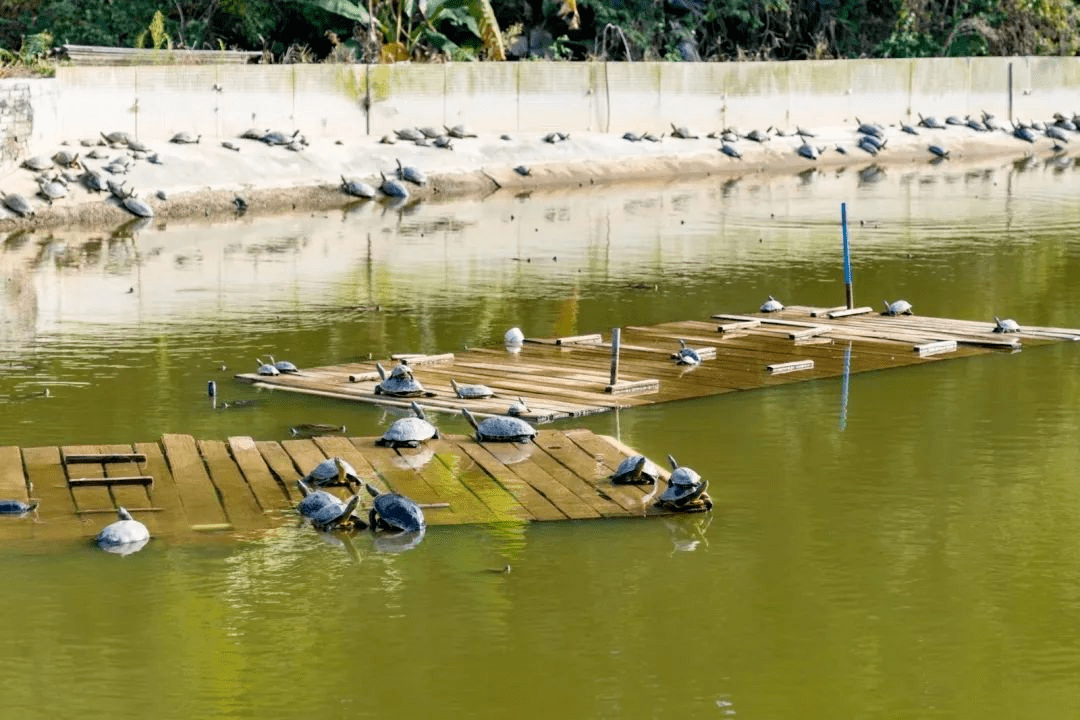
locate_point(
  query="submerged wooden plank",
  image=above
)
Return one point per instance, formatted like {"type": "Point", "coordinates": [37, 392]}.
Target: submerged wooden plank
{"type": "Point", "coordinates": [936, 348]}
{"type": "Point", "coordinates": [122, 463]}
{"type": "Point", "coordinates": [468, 472]}
{"type": "Point", "coordinates": [282, 466]}
{"type": "Point", "coordinates": [12, 480]}
{"type": "Point", "coordinates": [516, 458]}
{"type": "Point", "coordinates": [201, 504]}
{"type": "Point", "coordinates": [56, 516]}
{"type": "Point", "coordinates": [392, 474]}
{"type": "Point", "coordinates": [241, 508]}
{"type": "Point", "coordinates": [88, 497]}
{"type": "Point", "coordinates": [270, 495]}
{"type": "Point", "coordinates": [538, 506]}
{"type": "Point", "coordinates": [163, 493]}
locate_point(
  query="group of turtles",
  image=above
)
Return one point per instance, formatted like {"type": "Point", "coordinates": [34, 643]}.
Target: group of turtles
{"type": "Point", "coordinates": [428, 136]}
{"type": "Point", "coordinates": [685, 491]}
{"type": "Point", "coordinates": [389, 511]}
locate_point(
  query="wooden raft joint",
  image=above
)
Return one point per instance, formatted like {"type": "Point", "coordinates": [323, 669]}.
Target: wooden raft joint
{"type": "Point", "coordinates": [935, 348]}
{"type": "Point", "coordinates": [593, 339]}
{"type": "Point", "coordinates": [635, 387]}
{"type": "Point", "coordinates": [73, 458]}
{"type": "Point", "coordinates": [786, 367]}
{"type": "Point", "coordinates": [808, 332]}
{"type": "Point", "coordinates": [107, 481]}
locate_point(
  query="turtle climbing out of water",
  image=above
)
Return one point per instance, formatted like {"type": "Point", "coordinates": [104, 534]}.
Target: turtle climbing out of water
{"type": "Point", "coordinates": [772, 305]}
{"type": "Point", "coordinates": [332, 471]}
{"type": "Point", "coordinates": [334, 513]}
{"type": "Point", "coordinates": [391, 511]}
{"type": "Point", "coordinates": [313, 500]}
{"type": "Point", "coordinates": [409, 431]}
{"type": "Point", "coordinates": [500, 428]}
{"type": "Point", "coordinates": [125, 531]}
{"type": "Point", "coordinates": [471, 392]}
{"type": "Point", "coordinates": [685, 490]}
{"type": "Point", "coordinates": [17, 507]}
{"type": "Point", "coordinates": [136, 207]}
{"type": "Point", "coordinates": [897, 307]}
{"type": "Point", "coordinates": [399, 382]}
{"type": "Point", "coordinates": [356, 188]}
{"type": "Point", "coordinates": [1006, 325]}
{"type": "Point", "coordinates": [730, 150]}
{"type": "Point", "coordinates": [17, 204]}
{"type": "Point", "coordinates": [686, 355]}
{"type": "Point", "coordinates": [636, 470]}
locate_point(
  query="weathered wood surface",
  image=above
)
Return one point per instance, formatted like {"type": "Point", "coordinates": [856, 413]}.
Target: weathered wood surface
{"type": "Point", "coordinates": [243, 485]}
{"type": "Point", "coordinates": [568, 377]}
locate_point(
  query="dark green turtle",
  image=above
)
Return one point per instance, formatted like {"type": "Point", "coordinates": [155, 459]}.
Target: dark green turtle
{"type": "Point", "coordinates": [636, 470]}
{"type": "Point", "coordinates": [409, 431]}
{"type": "Point", "coordinates": [332, 471]}
{"type": "Point", "coordinates": [331, 512]}
{"type": "Point", "coordinates": [400, 382]}
{"type": "Point", "coordinates": [684, 487]}
{"type": "Point", "coordinates": [391, 511]}
{"type": "Point", "coordinates": [500, 428]}
{"type": "Point", "coordinates": [313, 500]}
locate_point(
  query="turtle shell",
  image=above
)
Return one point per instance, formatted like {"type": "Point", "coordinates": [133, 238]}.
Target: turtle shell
{"type": "Point", "coordinates": [636, 470]}
{"type": "Point", "coordinates": [1007, 325]}
{"type": "Point", "coordinates": [394, 188]}
{"type": "Point", "coordinates": [401, 383]}
{"type": "Point", "coordinates": [137, 207]}
{"type": "Point", "coordinates": [772, 305]}
{"type": "Point", "coordinates": [897, 307]}
{"type": "Point", "coordinates": [330, 514]}
{"type": "Point", "coordinates": [399, 512]}
{"type": "Point", "coordinates": [37, 163]}
{"type": "Point", "coordinates": [408, 432]}
{"type": "Point", "coordinates": [123, 531]}
{"type": "Point", "coordinates": [17, 204]}
{"type": "Point", "coordinates": [679, 495]}
{"type": "Point", "coordinates": [314, 502]}
{"type": "Point", "coordinates": [503, 428]}
{"type": "Point", "coordinates": [326, 472]}
{"type": "Point", "coordinates": [472, 392]}
{"type": "Point", "coordinates": [16, 507]}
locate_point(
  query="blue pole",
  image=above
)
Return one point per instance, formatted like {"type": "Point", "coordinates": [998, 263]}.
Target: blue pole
{"type": "Point", "coordinates": [849, 293]}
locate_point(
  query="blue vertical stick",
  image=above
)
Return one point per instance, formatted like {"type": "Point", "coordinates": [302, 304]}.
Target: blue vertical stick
{"type": "Point", "coordinates": [847, 259]}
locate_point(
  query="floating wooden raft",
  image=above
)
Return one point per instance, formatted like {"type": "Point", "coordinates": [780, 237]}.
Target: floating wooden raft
{"type": "Point", "coordinates": [568, 377]}
{"type": "Point", "coordinates": [182, 487]}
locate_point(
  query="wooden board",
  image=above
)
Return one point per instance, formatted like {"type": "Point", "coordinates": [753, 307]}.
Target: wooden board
{"type": "Point", "coordinates": [197, 493]}
{"type": "Point", "coordinates": [241, 507]}
{"type": "Point", "coordinates": [270, 495]}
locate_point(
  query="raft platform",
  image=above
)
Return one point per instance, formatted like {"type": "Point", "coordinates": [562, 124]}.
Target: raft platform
{"type": "Point", "coordinates": [181, 487]}
{"type": "Point", "coordinates": [568, 377]}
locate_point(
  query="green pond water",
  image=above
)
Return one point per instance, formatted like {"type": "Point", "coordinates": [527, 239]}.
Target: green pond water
{"type": "Point", "coordinates": [903, 545]}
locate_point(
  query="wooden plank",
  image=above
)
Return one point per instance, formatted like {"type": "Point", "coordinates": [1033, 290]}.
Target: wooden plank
{"type": "Point", "coordinates": [12, 480]}
{"type": "Point", "coordinates": [110, 481]}
{"type": "Point", "coordinates": [103, 457]}
{"type": "Point", "coordinates": [199, 497]}
{"type": "Point", "coordinates": [598, 467]}
{"type": "Point", "coordinates": [786, 367]}
{"type": "Point", "coordinates": [48, 483]}
{"type": "Point", "coordinates": [846, 312]}
{"type": "Point", "coordinates": [737, 326]}
{"type": "Point", "coordinates": [808, 332]}
{"type": "Point", "coordinates": [89, 497]}
{"type": "Point", "coordinates": [134, 497]}
{"type": "Point", "coordinates": [473, 477]}
{"type": "Point", "coordinates": [241, 507]}
{"type": "Point", "coordinates": [590, 477]}
{"type": "Point", "coordinates": [405, 481]}
{"type": "Point", "coordinates": [439, 475]}
{"type": "Point", "coordinates": [282, 466]}
{"type": "Point", "coordinates": [593, 339]}
{"type": "Point", "coordinates": [270, 494]}
{"type": "Point", "coordinates": [935, 348]}
{"type": "Point", "coordinates": [538, 506]}
{"type": "Point", "coordinates": [514, 456]}
{"type": "Point", "coordinates": [639, 387]}
{"type": "Point", "coordinates": [172, 520]}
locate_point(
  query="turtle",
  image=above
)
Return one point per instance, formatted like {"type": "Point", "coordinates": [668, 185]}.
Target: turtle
{"type": "Point", "coordinates": [229, 145]}
{"type": "Point", "coordinates": [471, 392]}
{"type": "Point", "coordinates": [66, 158]}
{"type": "Point", "coordinates": [52, 189]}
{"type": "Point", "coordinates": [422, 142]}
{"type": "Point", "coordinates": [938, 151]}
{"type": "Point", "coordinates": [284, 366]}
{"type": "Point", "coordinates": [1056, 133]}
{"type": "Point", "coordinates": [409, 431]}
{"type": "Point", "coordinates": [682, 132]}
{"type": "Point", "coordinates": [877, 142]}
{"type": "Point", "coordinates": [97, 154]}
{"type": "Point", "coordinates": [757, 136]}
{"type": "Point", "coordinates": [266, 368]}
{"type": "Point", "coordinates": [429, 132]}
{"type": "Point", "coordinates": [118, 137]}
{"type": "Point", "coordinates": [500, 428]}
{"type": "Point", "coordinates": [1024, 133]}
{"type": "Point", "coordinates": [17, 204]}
{"type": "Point", "coordinates": [313, 500]}
{"type": "Point", "coordinates": [730, 150]}
{"type": "Point", "coordinates": [331, 471]}
{"type": "Point", "coordinates": [897, 307]}
{"type": "Point", "coordinates": [870, 129]}
{"type": "Point", "coordinates": [803, 133]}
{"type": "Point", "coordinates": [276, 137]}
{"type": "Point", "coordinates": [651, 138]}
{"type": "Point", "coordinates": [684, 487]}
{"type": "Point", "coordinates": [632, 136]}
{"type": "Point", "coordinates": [553, 137]}
{"type": "Point", "coordinates": [38, 163]}
{"type": "Point", "coordinates": [329, 515]}
{"type": "Point", "coordinates": [458, 131]}
{"type": "Point", "coordinates": [391, 511]}
{"type": "Point", "coordinates": [953, 120]}
{"type": "Point", "coordinates": [161, 195]}
{"type": "Point", "coordinates": [137, 147]}
{"type": "Point", "coordinates": [523, 170]}
{"type": "Point", "coordinates": [729, 136]}
{"type": "Point", "coordinates": [411, 134]}
{"type": "Point", "coordinates": [393, 188]}
{"type": "Point", "coordinates": [865, 143]}
{"type": "Point", "coordinates": [1006, 325]}
{"type": "Point", "coordinates": [136, 206]}
{"type": "Point", "coordinates": [990, 121]}
{"type": "Point", "coordinates": [771, 305]}
{"type": "Point", "coordinates": [241, 204]}
{"type": "Point", "coordinates": [636, 470]}
{"type": "Point", "coordinates": [444, 142]}
{"type": "Point", "coordinates": [387, 140]}
{"type": "Point", "coordinates": [976, 125]}
{"type": "Point", "coordinates": [253, 134]}
{"type": "Point", "coordinates": [125, 531]}
{"type": "Point", "coordinates": [931, 122]}
{"type": "Point", "coordinates": [808, 151]}
{"type": "Point", "coordinates": [1037, 125]}
{"type": "Point", "coordinates": [686, 355]}
{"type": "Point", "coordinates": [313, 429]}
{"type": "Point", "coordinates": [116, 188]}
{"type": "Point", "coordinates": [908, 128]}
{"type": "Point", "coordinates": [399, 383]}
{"type": "Point", "coordinates": [519, 408]}
{"type": "Point", "coordinates": [514, 336]}
{"type": "Point", "coordinates": [841, 149]}
{"type": "Point", "coordinates": [413, 175]}
{"type": "Point", "coordinates": [17, 507]}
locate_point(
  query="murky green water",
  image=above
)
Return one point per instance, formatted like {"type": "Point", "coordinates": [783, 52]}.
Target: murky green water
{"type": "Point", "coordinates": [908, 549]}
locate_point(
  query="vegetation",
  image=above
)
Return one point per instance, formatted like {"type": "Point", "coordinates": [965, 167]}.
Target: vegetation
{"type": "Point", "coordinates": [432, 30]}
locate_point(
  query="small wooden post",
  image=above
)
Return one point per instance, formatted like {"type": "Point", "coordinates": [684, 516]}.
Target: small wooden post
{"type": "Point", "coordinates": [615, 332]}
{"type": "Point", "coordinates": [849, 293]}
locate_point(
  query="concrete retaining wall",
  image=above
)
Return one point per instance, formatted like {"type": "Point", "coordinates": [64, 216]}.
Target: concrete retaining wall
{"type": "Point", "coordinates": [338, 101]}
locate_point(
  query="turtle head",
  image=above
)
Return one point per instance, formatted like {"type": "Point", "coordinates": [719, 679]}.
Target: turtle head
{"type": "Point", "coordinates": [639, 466]}
{"type": "Point", "coordinates": [469, 416]}
{"type": "Point", "coordinates": [417, 409]}
{"type": "Point", "coordinates": [350, 506]}
{"type": "Point", "coordinates": [342, 471]}
{"type": "Point", "coordinates": [682, 343]}
{"type": "Point", "coordinates": [372, 491]}
{"type": "Point", "coordinates": [454, 385]}
{"type": "Point", "coordinates": [673, 462]}
{"type": "Point", "coordinates": [381, 369]}
{"type": "Point", "coordinates": [123, 514]}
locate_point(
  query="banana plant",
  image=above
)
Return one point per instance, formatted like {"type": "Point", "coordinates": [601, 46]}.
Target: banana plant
{"type": "Point", "coordinates": [406, 25]}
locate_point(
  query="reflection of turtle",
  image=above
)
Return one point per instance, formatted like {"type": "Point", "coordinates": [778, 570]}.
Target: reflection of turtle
{"type": "Point", "coordinates": [636, 470]}
{"type": "Point", "coordinates": [684, 487]}
{"type": "Point", "coordinates": [500, 428]}
{"type": "Point", "coordinates": [391, 511]}
{"type": "Point", "coordinates": [126, 530]}
{"type": "Point", "coordinates": [330, 470]}
{"type": "Point", "coordinates": [17, 507]}
{"type": "Point", "coordinates": [409, 431]}
{"type": "Point", "coordinates": [399, 383]}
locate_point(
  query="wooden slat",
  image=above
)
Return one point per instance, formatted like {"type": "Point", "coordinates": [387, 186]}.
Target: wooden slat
{"type": "Point", "coordinates": [56, 513]}
{"type": "Point", "coordinates": [511, 455]}
{"type": "Point", "coordinates": [630, 498]}
{"type": "Point", "coordinates": [786, 367]}
{"type": "Point", "coordinates": [283, 468]}
{"type": "Point", "coordinates": [552, 444]}
{"type": "Point", "coordinates": [538, 506]}
{"type": "Point", "coordinates": [110, 481]}
{"type": "Point", "coordinates": [199, 497]}
{"type": "Point", "coordinates": [87, 496]}
{"type": "Point", "coordinates": [270, 495]}
{"type": "Point", "coordinates": [103, 457]}
{"type": "Point", "coordinates": [407, 482]}
{"type": "Point", "coordinates": [172, 520]}
{"type": "Point", "coordinates": [241, 507]}
{"type": "Point", "coordinates": [12, 480]}
{"type": "Point", "coordinates": [468, 472]}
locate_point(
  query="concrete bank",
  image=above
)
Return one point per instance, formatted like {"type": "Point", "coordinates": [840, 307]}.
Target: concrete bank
{"type": "Point", "coordinates": [342, 111]}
